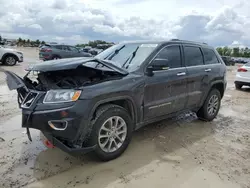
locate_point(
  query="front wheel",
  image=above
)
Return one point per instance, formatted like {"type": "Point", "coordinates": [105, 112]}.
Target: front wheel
{"type": "Point", "coordinates": [211, 106]}
{"type": "Point", "coordinates": [10, 60]}
{"type": "Point", "coordinates": [112, 132]}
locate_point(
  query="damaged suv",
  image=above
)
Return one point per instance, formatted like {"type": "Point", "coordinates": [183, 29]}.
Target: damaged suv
{"type": "Point", "coordinates": [94, 104]}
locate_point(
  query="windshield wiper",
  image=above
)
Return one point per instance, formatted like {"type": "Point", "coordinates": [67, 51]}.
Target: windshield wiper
{"type": "Point", "coordinates": [115, 53]}
{"type": "Point", "coordinates": [131, 58]}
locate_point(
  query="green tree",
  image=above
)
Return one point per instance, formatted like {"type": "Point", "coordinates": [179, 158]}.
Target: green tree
{"type": "Point", "coordinates": [236, 52]}
{"type": "Point", "coordinates": [42, 42]}
{"type": "Point", "coordinates": [220, 50]}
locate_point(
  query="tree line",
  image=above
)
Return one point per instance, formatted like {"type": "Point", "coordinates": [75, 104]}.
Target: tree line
{"type": "Point", "coordinates": [95, 43]}
{"type": "Point", "coordinates": [28, 42]}
{"type": "Point", "coordinates": [234, 52]}
{"type": "Point", "coordinates": [223, 51]}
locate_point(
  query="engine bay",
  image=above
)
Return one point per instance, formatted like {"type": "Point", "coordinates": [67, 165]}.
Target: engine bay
{"type": "Point", "coordinates": [68, 79]}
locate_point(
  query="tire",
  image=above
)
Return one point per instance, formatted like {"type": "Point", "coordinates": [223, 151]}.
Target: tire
{"type": "Point", "coordinates": [10, 60]}
{"type": "Point", "coordinates": [238, 86]}
{"type": "Point", "coordinates": [103, 114]}
{"type": "Point", "coordinates": [204, 113]}
{"type": "Point", "coordinates": [56, 57]}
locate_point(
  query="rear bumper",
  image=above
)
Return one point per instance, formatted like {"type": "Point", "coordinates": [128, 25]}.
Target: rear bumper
{"type": "Point", "coordinates": [242, 83]}
{"type": "Point", "coordinates": [59, 144]}
{"type": "Point", "coordinates": [243, 79]}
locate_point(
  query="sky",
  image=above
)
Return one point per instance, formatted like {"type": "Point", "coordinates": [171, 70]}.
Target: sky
{"type": "Point", "coordinates": [216, 22]}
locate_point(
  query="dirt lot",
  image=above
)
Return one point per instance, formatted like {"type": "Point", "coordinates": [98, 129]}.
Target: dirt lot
{"type": "Point", "coordinates": [181, 152]}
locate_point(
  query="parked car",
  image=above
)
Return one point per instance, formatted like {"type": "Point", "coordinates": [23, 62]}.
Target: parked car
{"type": "Point", "coordinates": [95, 51]}
{"type": "Point", "coordinates": [56, 51]}
{"type": "Point", "coordinates": [227, 60]}
{"type": "Point", "coordinates": [10, 56]}
{"type": "Point", "coordinates": [242, 76]}
{"type": "Point", "coordinates": [82, 105]}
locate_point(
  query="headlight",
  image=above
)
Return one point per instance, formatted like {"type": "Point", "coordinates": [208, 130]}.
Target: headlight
{"type": "Point", "coordinates": [61, 95]}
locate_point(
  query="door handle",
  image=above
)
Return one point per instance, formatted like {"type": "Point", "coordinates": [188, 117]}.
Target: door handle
{"type": "Point", "coordinates": [207, 70]}
{"type": "Point", "coordinates": [181, 74]}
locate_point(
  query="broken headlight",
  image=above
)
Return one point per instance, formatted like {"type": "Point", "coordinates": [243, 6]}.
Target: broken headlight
{"type": "Point", "coordinates": [61, 95]}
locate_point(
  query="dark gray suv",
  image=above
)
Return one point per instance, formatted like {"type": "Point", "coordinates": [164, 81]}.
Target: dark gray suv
{"type": "Point", "coordinates": [95, 104]}
{"type": "Point", "coordinates": [57, 51]}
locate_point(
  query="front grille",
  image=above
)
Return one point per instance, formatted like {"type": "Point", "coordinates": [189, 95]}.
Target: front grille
{"type": "Point", "coordinates": [29, 99]}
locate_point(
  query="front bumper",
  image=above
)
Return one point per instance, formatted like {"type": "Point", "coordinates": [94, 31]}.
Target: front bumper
{"type": "Point", "coordinates": [20, 59]}
{"type": "Point", "coordinates": [59, 144]}
{"type": "Point", "coordinates": [75, 114]}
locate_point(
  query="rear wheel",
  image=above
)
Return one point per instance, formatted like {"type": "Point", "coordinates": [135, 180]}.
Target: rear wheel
{"type": "Point", "coordinates": [10, 60]}
{"type": "Point", "coordinates": [112, 132]}
{"type": "Point", "coordinates": [238, 86]}
{"type": "Point", "coordinates": [211, 106]}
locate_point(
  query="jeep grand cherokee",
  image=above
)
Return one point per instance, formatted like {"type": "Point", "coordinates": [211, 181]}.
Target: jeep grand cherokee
{"type": "Point", "coordinates": [95, 104]}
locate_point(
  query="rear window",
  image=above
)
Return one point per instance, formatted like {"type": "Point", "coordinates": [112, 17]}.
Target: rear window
{"type": "Point", "coordinates": [193, 56]}
{"type": "Point", "coordinates": [209, 56]}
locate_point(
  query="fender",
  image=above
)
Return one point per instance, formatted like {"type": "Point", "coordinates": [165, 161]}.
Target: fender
{"type": "Point", "coordinates": [125, 97]}
{"type": "Point", "coordinates": [85, 131]}
{"type": "Point", "coordinates": [211, 86]}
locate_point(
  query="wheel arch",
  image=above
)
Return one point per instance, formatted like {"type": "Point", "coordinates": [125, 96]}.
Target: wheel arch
{"type": "Point", "coordinates": [9, 54]}
{"type": "Point", "coordinates": [124, 101]}
{"type": "Point", "coordinates": [220, 87]}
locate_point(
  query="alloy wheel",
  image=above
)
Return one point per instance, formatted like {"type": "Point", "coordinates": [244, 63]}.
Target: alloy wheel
{"type": "Point", "coordinates": [112, 134]}
{"type": "Point", "coordinates": [10, 60]}
{"type": "Point", "coordinates": [213, 105]}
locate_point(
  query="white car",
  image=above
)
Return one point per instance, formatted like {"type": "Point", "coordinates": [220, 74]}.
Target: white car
{"type": "Point", "coordinates": [243, 76]}
{"type": "Point", "coordinates": [10, 56]}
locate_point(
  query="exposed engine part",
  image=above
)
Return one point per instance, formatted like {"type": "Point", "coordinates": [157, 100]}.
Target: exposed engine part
{"type": "Point", "coordinates": [68, 79]}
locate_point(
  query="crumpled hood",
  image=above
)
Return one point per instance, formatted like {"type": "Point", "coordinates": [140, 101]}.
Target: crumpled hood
{"type": "Point", "coordinates": [73, 63]}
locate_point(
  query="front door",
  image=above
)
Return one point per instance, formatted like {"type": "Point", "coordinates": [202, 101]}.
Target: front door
{"type": "Point", "coordinates": [165, 91]}
{"type": "Point", "coordinates": [74, 52]}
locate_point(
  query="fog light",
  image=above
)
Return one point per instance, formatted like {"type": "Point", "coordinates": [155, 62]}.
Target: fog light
{"type": "Point", "coordinates": [58, 125]}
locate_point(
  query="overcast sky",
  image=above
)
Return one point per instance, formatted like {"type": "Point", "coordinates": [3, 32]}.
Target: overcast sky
{"type": "Point", "coordinates": [216, 22]}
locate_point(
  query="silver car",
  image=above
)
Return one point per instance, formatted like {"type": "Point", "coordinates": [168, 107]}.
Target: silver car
{"type": "Point", "coordinates": [58, 51]}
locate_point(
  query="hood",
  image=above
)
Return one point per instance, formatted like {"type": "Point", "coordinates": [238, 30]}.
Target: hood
{"type": "Point", "coordinates": [73, 63]}
{"type": "Point", "coordinates": [11, 50]}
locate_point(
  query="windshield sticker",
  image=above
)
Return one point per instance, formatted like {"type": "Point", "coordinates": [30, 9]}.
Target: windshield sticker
{"type": "Point", "coordinates": [149, 45]}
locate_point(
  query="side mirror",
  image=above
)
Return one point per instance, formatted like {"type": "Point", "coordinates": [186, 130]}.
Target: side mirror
{"type": "Point", "coordinates": [160, 64]}
{"type": "Point", "coordinates": [150, 71]}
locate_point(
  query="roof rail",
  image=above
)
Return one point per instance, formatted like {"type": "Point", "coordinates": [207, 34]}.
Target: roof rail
{"type": "Point", "coordinates": [174, 39]}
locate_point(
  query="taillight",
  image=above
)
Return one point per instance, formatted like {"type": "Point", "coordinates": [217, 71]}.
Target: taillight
{"type": "Point", "coordinates": [46, 50]}
{"type": "Point", "coordinates": [241, 69]}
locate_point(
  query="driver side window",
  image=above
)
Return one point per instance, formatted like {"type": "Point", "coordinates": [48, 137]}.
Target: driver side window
{"type": "Point", "coordinates": [169, 57]}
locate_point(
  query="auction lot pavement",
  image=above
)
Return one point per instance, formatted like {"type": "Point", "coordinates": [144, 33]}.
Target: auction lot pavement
{"type": "Point", "coordinates": [179, 153]}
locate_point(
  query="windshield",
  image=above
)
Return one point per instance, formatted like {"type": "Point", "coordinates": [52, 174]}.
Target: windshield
{"type": "Point", "coordinates": [127, 56]}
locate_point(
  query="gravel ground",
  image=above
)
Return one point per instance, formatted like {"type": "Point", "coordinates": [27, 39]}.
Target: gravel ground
{"type": "Point", "coordinates": [181, 152]}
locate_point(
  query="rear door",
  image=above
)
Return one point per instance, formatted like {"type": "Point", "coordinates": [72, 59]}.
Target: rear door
{"type": "Point", "coordinates": [196, 75]}
{"type": "Point", "coordinates": [165, 91]}
{"type": "Point", "coordinates": [212, 68]}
